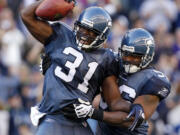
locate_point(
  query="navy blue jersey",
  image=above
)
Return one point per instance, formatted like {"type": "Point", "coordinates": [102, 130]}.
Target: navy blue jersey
{"type": "Point", "coordinates": [73, 73]}
{"type": "Point", "coordinates": [145, 82]}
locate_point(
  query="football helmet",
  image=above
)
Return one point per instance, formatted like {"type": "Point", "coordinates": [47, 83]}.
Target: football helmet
{"type": "Point", "coordinates": [94, 19]}
{"type": "Point", "coordinates": [137, 42]}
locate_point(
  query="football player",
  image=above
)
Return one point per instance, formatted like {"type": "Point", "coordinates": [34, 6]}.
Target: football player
{"type": "Point", "coordinates": [139, 83]}
{"type": "Point", "coordinates": [79, 66]}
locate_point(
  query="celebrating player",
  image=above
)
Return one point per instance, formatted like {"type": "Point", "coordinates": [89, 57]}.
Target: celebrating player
{"type": "Point", "coordinates": [139, 83]}
{"type": "Point", "coordinates": [79, 66]}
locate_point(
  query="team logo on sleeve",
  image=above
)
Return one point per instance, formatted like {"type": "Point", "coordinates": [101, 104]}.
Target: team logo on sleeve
{"type": "Point", "coordinates": [164, 92]}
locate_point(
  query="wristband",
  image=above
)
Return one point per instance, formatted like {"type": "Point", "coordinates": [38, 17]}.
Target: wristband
{"type": "Point", "coordinates": [98, 114]}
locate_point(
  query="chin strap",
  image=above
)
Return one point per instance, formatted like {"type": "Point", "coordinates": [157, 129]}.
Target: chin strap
{"type": "Point", "coordinates": [129, 68]}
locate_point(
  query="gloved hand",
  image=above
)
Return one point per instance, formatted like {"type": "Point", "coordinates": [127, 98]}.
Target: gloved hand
{"type": "Point", "coordinates": [137, 111]}
{"type": "Point", "coordinates": [45, 63]}
{"type": "Point", "coordinates": [82, 110]}
{"type": "Point", "coordinates": [69, 112]}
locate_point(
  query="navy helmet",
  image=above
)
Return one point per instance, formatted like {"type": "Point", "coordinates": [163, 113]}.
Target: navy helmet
{"type": "Point", "coordinates": [137, 42]}
{"type": "Point", "coordinates": [94, 19]}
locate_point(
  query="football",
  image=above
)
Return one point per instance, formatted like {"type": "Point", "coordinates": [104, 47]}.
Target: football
{"type": "Point", "coordinates": [52, 10]}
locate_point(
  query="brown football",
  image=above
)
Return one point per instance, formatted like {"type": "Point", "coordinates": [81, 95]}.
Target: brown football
{"type": "Point", "coordinates": [53, 10]}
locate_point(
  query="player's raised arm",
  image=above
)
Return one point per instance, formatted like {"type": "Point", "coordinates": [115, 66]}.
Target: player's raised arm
{"type": "Point", "coordinates": [35, 16]}
{"type": "Point", "coordinates": [40, 29]}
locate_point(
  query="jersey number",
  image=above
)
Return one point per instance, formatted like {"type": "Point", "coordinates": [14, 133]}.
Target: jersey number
{"type": "Point", "coordinates": [72, 69]}
{"type": "Point", "coordinates": [130, 91]}
{"type": "Point", "coordinates": [160, 74]}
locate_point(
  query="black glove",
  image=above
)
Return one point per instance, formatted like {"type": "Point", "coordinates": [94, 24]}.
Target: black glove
{"type": "Point", "coordinates": [137, 111]}
{"type": "Point", "coordinates": [45, 63]}
{"type": "Point", "coordinates": [82, 110]}
{"type": "Point", "coordinates": [69, 112]}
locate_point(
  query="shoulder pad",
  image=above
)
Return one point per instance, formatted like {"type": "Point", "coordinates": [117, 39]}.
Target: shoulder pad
{"type": "Point", "coordinates": [158, 85]}
{"type": "Point", "coordinates": [60, 26]}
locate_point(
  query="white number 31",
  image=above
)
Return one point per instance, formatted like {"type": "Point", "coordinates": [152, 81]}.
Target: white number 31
{"type": "Point", "coordinates": [72, 69]}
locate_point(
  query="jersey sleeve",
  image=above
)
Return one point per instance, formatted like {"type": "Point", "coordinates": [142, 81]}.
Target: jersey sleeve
{"type": "Point", "coordinates": [112, 64]}
{"type": "Point", "coordinates": [59, 30]}
{"type": "Point", "coordinates": [159, 86]}
{"type": "Point", "coordinates": [54, 34]}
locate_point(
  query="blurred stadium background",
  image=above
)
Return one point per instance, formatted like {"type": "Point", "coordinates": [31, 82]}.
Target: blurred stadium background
{"type": "Point", "coordinates": [20, 79]}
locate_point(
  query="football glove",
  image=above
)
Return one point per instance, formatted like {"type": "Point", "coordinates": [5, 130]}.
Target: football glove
{"type": "Point", "coordinates": [69, 112]}
{"type": "Point", "coordinates": [137, 111]}
{"type": "Point", "coordinates": [45, 63]}
{"type": "Point", "coordinates": [82, 110]}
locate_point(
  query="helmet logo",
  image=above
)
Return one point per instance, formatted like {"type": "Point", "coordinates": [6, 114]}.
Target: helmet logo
{"type": "Point", "coordinates": [128, 48]}
{"type": "Point", "coordinates": [87, 22]}
{"type": "Point", "coordinates": [149, 42]}
{"type": "Point", "coordinates": [100, 17]}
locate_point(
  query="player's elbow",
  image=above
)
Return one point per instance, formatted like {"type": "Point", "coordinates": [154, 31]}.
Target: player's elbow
{"type": "Point", "coordinates": [28, 19]}
{"type": "Point", "coordinates": [112, 107]}
{"type": "Point", "coordinates": [26, 15]}
{"type": "Point", "coordinates": [23, 14]}
{"type": "Point", "coordinates": [119, 105]}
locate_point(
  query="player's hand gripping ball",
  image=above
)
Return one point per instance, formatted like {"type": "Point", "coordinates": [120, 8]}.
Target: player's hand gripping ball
{"type": "Point", "coordinates": [52, 10]}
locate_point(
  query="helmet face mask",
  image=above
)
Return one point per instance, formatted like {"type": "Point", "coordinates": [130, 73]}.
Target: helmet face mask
{"type": "Point", "coordinates": [138, 44]}
{"type": "Point", "coordinates": [85, 36]}
{"type": "Point", "coordinates": [131, 58]}
{"type": "Point", "coordinates": [131, 62]}
{"type": "Point", "coordinates": [96, 20]}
